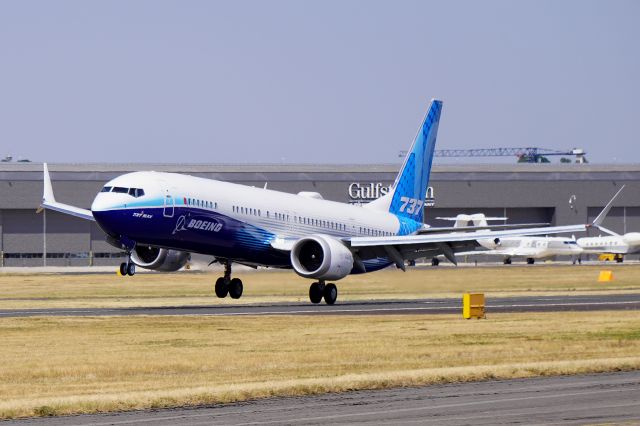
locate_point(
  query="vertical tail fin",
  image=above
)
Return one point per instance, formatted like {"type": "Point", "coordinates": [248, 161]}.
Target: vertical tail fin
{"type": "Point", "coordinates": [409, 190]}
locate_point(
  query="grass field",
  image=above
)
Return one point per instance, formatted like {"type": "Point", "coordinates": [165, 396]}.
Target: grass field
{"type": "Point", "coordinates": [109, 290]}
{"type": "Point", "coordinates": [73, 365]}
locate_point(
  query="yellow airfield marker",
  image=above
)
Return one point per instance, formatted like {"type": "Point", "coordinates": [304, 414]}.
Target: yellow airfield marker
{"type": "Point", "coordinates": [605, 276]}
{"type": "Point", "coordinates": [473, 305]}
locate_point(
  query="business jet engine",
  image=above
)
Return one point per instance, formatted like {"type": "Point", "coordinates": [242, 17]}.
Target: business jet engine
{"type": "Point", "coordinates": [321, 257]}
{"type": "Point", "coordinates": [159, 259]}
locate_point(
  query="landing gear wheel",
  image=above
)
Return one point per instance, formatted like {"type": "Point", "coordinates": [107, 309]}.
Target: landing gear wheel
{"type": "Point", "coordinates": [235, 288]}
{"type": "Point", "coordinates": [131, 269]}
{"type": "Point", "coordinates": [507, 261]}
{"type": "Point", "coordinates": [330, 293]}
{"type": "Point", "coordinates": [315, 292]}
{"type": "Point", "coordinates": [123, 269]}
{"type": "Point", "coordinates": [435, 261]}
{"type": "Point", "coordinates": [222, 288]}
{"type": "Point", "coordinates": [530, 261]}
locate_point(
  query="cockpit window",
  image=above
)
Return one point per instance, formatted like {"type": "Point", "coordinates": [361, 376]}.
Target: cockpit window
{"type": "Point", "coordinates": [136, 192]}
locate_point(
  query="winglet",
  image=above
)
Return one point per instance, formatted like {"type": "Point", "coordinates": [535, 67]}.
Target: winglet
{"type": "Point", "coordinates": [47, 196]}
{"type": "Point", "coordinates": [597, 222]}
{"type": "Point", "coordinates": [49, 201]}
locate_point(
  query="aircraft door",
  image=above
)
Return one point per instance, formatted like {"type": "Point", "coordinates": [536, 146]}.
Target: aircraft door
{"type": "Point", "coordinates": [169, 204]}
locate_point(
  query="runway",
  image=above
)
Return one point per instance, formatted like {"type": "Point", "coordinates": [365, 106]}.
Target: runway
{"type": "Point", "coordinates": [569, 400]}
{"type": "Point", "coordinates": [382, 307]}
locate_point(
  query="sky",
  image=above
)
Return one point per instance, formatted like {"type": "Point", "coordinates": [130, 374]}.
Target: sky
{"type": "Point", "coordinates": [314, 81]}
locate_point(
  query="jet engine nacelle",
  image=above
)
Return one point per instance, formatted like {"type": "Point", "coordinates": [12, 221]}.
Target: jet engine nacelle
{"type": "Point", "coordinates": [159, 259]}
{"type": "Point", "coordinates": [321, 257]}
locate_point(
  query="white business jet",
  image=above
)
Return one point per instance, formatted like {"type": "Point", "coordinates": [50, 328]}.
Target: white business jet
{"type": "Point", "coordinates": [158, 219]}
{"type": "Point", "coordinates": [540, 247]}
{"type": "Point", "coordinates": [612, 243]}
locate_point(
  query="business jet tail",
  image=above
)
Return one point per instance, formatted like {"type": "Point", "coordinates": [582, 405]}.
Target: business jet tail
{"type": "Point", "coordinates": [407, 195]}
{"type": "Point", "coordinates": [597, 222]}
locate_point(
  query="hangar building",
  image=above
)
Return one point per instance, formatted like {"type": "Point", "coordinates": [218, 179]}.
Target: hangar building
{"type": "Point", "coordinates": [560, 194]}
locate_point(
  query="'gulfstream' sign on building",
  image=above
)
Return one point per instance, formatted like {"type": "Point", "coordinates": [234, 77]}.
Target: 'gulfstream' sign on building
{"type": "Point", "coordinates": [365, 192]}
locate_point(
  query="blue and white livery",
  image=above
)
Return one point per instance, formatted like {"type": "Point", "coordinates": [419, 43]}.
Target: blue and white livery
{"type": "Point", "coordinates": [160, 218]}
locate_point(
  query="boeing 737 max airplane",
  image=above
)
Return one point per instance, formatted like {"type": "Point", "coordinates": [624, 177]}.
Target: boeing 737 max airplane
{"type": "Point", "coordinates": [160, 218]}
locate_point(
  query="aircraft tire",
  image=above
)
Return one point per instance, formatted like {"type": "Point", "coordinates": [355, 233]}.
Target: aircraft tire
{"type": "Point", "coordinates": [235, 288]}
{"type": "Point", "coordinates": [530, 261]}
{"type": "Point", "coordinates": [131, 269]}
{"type": "Point", "coordinates": [123, 269]}
{"type": "Point", "coordinates": [330, 294]}
{"type": "Point", "coordinates": [507, 261]}
{"type": "Point", "coordinates": [435, 261]}
{"type": "Point", "coordinates": [315, 293]}
{"type": "Point", "coordinates": [222, 288]}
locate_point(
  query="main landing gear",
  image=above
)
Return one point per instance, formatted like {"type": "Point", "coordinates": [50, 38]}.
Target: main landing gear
{"type": "Point", "coordinates": [128, 267]}
{"type": "Point", "coordinates": [226, 285]}
{"type": "Point", "coordinates": [318, 290]}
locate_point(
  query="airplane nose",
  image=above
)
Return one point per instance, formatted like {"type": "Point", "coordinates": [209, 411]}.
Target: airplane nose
{"type": "Point", "coordinates": [100, 203]}
{"type": "Point", "coordinates": [105, 216]}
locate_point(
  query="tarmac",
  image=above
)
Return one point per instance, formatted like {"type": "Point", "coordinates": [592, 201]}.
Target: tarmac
{"type": "Point", "coordinates": [379, 307]}
{"type": "Point", "coordinates": [566, 400]}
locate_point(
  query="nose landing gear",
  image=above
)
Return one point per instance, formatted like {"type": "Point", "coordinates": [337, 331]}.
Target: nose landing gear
{"type": "Point", "coordinates": [128, 267]}
{"type": "Point", "coordinates": [226, 285]}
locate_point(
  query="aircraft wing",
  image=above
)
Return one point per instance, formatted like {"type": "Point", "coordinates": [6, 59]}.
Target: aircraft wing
{"type": "Point", "coordinates": [49, 201]}
{"type": "Point", "coordinates": [463, 236]}
{"type": "Point", "coordinates": [409, 247]}
{"type": "Point", "coordinates": [432, 230]}
{"type": "Point", "coordinates": [512, 252]}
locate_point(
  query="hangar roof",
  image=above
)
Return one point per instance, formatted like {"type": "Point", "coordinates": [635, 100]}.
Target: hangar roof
{"type": "Point", "coordinates": [329, 172]}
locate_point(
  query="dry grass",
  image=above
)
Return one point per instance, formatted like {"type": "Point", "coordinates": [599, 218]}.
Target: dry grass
{"type": "Point", "coordinates": [72, 365]}
{"type": "Point", "coordinates": [109, 290]}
